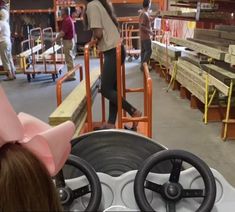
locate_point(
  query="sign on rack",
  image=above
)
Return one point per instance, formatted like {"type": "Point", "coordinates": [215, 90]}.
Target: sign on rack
{"type": "Point", "coordinates": [31, 5]}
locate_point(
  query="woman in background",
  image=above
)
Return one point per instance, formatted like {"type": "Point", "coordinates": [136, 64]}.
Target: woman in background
{"type": "Point", "coordinates": [5, 45]}
{"type": "Point", "coordinates": [102, 21]}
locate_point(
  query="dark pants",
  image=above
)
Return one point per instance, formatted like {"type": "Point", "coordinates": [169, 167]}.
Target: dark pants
{"type": "Point", "coordinates": [146, 51]}
{"type": "Point", "coordinates": [109, 85]}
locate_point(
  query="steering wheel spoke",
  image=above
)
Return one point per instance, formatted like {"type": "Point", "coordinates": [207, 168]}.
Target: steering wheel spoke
{"type": "Point", "coordinates": [170, 206]}
{"type": "Point", "coordinates": [59, 179]}
{"type": "Point", "coordinates": [153, 186]}
{"type": "Point", "coordinates": [176, 169]}
{"type": "Point", "coordinates": [81, 191]}
{"type": "Point", "coordinates": [193, 193]}
{"type": "Point", "coordinates": [68, 195]}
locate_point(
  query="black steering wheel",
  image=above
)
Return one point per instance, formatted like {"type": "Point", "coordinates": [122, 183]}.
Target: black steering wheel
{"type": "Point", "coordinates": [67, 195]}
{"type": "Point", "coordinates": [172, 191]}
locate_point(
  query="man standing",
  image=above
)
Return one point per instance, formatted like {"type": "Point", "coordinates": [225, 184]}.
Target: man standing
{"type": "Point", "coordinates": [5, 45]}
{"type": "Point", "coordinates": [67, 33]}
{"type": "Point", "coordinates": [145, 33]}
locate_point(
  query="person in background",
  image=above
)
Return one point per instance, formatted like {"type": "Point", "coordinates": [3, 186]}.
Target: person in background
{"type": "Point", "coordinates": [145, 33]}
{"type": "Point", "coordinates": [102, 21]}
{"type": "Point", "coordinates": [6, 46]}
{"type": "Point", "coordinates": [75, 14]}
{"type": "Point", "coordinates": [67, 33]}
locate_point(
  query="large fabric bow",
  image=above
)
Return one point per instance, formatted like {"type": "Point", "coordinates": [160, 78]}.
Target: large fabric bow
{"type": "Point", "coordinates": [50, 145]}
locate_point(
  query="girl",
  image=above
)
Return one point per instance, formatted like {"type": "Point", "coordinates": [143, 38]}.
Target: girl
{"type": "Point", "coordinates": [102, 21]}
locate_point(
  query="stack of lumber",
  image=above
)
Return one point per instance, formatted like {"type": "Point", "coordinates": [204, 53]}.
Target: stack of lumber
{"type": "Point", "coordinates": [222, 38]}
{"type": "Point", "coordinates": [215, 38]}
{"type": "Point", "coordinates": [230, 57]}
{"type": "Point", "coordinates": [200, 48]}
{"type": "Point", "coordinates": [192, 15]}
{"type": "Point", "coordinates": [214, 44]}
{"type": "Point", "coordinates": [171, 13]}
{"type": "Point", "coordinates": [192, 77]}
{"type": "Point", "coordinates": [189, 1]}
{"type": "Point", "coordinates": [220, 77]}
{"type": "Point", "coordinates": [73, 108]}
{"type": "Point", "coordinates": [165, 55]}
{"type": "Point", "coordinates": [227, 28]}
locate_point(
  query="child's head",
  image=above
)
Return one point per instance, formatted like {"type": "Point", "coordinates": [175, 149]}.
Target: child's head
{"type": "Point", "coordinates": [25, 184]}
{"type": "Point", "coordinates": [31, 152]}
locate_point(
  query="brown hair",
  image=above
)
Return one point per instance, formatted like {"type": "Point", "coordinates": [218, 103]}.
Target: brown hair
{"type": "Point", "coordinates": [25, 184]}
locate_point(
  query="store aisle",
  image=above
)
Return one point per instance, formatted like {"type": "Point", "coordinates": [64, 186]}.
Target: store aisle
{"type": "Point", "coordinates": [175, 125]}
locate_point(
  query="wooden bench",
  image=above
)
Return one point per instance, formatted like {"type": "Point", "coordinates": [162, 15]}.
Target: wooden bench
{"type": "Point", "coordinates": [74, 107]}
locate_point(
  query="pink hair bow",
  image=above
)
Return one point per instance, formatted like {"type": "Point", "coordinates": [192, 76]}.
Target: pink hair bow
{"type": "Point", "coordinates": [50, 145]}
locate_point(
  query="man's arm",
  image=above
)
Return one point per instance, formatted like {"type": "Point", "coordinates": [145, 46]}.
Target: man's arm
{"type": "Point", "coordinates": [95, 21]}
{"type": "Point", "coordinates": [97, 34]}
{"type": "Point", "coordinates": [59, 36]}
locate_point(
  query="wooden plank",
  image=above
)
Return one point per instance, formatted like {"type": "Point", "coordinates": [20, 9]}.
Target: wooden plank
{"type": "Point", "coordinates": [195, 79]}
{"type": "Point", "coordinates": [207, 32]}
{"type": "Point", "coordinates": [219, 85]}
{"type": "Point", "coordinates": [189, 1]}
{"type": "Point", "coordinates": [171, 13]}
{"type": "Point", "coordinates": [223, 41]}
{"type": "Point", "coordinates": [192, 67]}
{"type": "Point", "coordinates": [81, 111]}
{"type": "Point", "coordinates": [225, 73]}
{"type": "Point", "coordinates": [191, 87]}
{"type": "Point", "coordinates": [200, 48]}
{"type": "Point", "coordinates": [217, 15]}
{"type": "Point", "coordinates": [73, 103]}
{"type": "Point", "coordinates": [211, 43]}
{"type": "Point", "coordinates": [229, 58]}
{"type": "Point", "coordinates": [228, 28]}
{"type": "Point", "coordinates": [192, 76]}
{"type": "Point", "coordinates": [200, 88]}
{"type": "Point", "coordinates": [51, 50]}
{"type": "Point", "coordinates": [81, 125]}
{"type": "Point", "coordinates": [231, 49]}
{"type": "Point", "coordinates": [173, 52]}
{"type": "Point", "coordinates": [228, 35]}
{"type": "Point", "coordinates": [29, 52]}
{"type": "Point", "coordinates": [163, 60]}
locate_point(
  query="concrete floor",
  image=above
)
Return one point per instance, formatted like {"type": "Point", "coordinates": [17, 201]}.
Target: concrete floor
{"type": "Point", "coordinates": [175, 124]}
